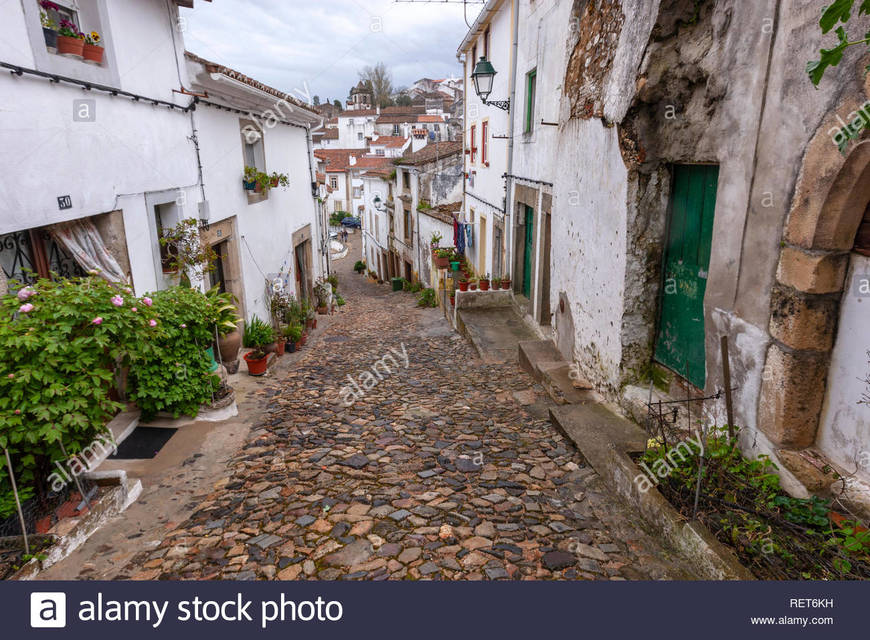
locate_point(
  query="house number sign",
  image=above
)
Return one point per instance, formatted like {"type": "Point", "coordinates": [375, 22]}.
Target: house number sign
{"type": "Point", "coordinates": [64, 202]}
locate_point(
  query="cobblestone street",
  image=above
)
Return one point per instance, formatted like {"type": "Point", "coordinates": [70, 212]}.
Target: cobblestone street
{"type": "Point", "coordinates": [445, 469]}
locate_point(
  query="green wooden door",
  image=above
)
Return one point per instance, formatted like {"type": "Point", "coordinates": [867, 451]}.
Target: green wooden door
{"type": "Point", "coordinates": [527, 255]}
{"type": "Point", "coordinates": [680, 340]}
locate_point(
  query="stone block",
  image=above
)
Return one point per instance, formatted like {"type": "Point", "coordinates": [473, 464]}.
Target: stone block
{"type": "Point", "coordinates": [812, 273]}
{"type": "Point", "coordinates": [803, 321]}
{"type": "Point", "coordinates": [792, 392]}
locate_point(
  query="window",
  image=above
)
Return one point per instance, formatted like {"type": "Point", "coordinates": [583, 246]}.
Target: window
{"type": "Point", "coordinates": [61, 13]}
{"type": "Point", "coordinates": [531, 81]}
{"type": "Point", "coordinates": [379, 152]}
{"type": "Point", "coordinates": [406, 180]}
{"type": "Point", "coordinates": [359, 135]}
{"type": "Point", "coordinates": [252, 145]}
{"type": "Point", "coordinates": [486, 43]}
{"type": "Point", "coordinates": [484, 131]}
{"type": "Point", "coordinates": [357, 192]}
{"type": "Point", "coordinates": [162, 214]}
{"type": "Point", "coordinates": [409, 225]}
{"type": "Point", "coordinates": [473, 58]}
{"type": "Point", "coordinates": [395, 129]}
{"type": "Point", "coordinates": [473, 143]}
{"type": "Point", "coordinates": [333, 182]}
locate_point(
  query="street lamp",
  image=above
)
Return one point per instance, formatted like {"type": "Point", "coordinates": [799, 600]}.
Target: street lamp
{"type": "Point", "coordinates": [483, 75]}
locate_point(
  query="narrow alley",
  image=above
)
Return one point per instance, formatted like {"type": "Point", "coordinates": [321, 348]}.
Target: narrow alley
{"type": "Point", "coordinates": [448, 469]}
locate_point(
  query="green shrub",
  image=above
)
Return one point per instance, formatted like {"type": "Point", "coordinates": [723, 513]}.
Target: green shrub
{"type": "Point", "coordinates": [340, 301]}
{"type": "Point", "coordinates": [333, 280]}
{"type": "Point", "coordinates": [359, 266]}
{"type": "Point", "coordinates": [257, 334]}
{"type": "Point", "coordinates": [427, 298]}
{"type": "Point", "coordinates": [173, 374]}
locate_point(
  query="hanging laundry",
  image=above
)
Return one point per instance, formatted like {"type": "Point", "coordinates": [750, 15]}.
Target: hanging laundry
{"type": "Point", "coordinates": [460, 244]}
{"type": "Point", "coordinates": [469, 233]}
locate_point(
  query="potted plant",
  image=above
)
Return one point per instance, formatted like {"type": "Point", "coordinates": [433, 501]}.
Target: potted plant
{"type": "Point", "coordinates": [472, 284]}
{"type": "Point", "coordinates": [249, 181]}
{"type": "Point", "coordinates": [279, 179]}
{"type": "Point", "coordinates": [323, 293]}
{"type": "Point", "coordinates": [226, 321]}
{"type": "Point", "coordinates": [484, 283]}
{"type": "Point", "coordinates": [93, 50]}
{"type": "Point", "coordinates": [452, 298]}
{"type": "Point", "coordinates": [258, 335]}
{"type": "Point", "coordinates": [292, 334]}
{"type": "Point", "coordinates": [359, 267]}
{"type": "Point", "coordinates": [463, 284]}
{"type": "Point", "coordinates": [506, 282]}
{"type": "Point", "coordinates": [187, 254]}
{"type": "Point", "coordinates": [496, 283]}
{"type": "Point", "coordinates": [302, 339]}
{"type": "Point", "coordinates": [69, 41]}
{"type": "Point", "coordinates": [442, 258]}
{"type": "Point", "coordinates": [49, 26]}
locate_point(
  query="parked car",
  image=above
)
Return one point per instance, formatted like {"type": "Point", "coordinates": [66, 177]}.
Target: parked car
{"type": "Point", "coordinates": [352, 222]}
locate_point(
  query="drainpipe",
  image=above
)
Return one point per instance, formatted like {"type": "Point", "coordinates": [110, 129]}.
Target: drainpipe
{"type": "Point", "coordinates": [509, 181]}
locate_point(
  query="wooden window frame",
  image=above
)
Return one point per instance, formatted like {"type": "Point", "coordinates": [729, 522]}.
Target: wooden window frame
{"type": "Point", "coordinates": [531, 95]}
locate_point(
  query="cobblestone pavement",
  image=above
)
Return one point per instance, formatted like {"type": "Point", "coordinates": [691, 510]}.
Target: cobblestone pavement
{"type": "Point", "coordinates": [447, 468]}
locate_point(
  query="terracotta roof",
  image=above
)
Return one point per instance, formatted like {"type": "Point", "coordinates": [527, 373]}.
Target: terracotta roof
{"type": "Point", "coordinates": [432, 151]}
{"type": "Point", "coordinates": [214, 67]}
{"type": "Point", "coordinates": [383, 172]}
{"type": "Point", "coordinates": [443, 212]}
{"type": "Point", "coordinates": [390, 141]}
{"type": "Point", "coordinates": [401, 111]}
{"type": "Point", "coordinates": [425, 118]}
{"type": "Point", "coordinates": [351, 113]}
{"type": "Point", "coordinates": [331, 134]}
{"type": "Point", "coordinates": [338, 160]}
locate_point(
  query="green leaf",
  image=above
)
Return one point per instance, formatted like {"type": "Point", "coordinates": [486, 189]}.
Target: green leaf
{"type": "Point", "coordinates": [838, 11]}
{"type": "Point", "coordinates": [829, 58]}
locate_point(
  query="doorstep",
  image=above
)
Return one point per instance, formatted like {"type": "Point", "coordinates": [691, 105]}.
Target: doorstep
{"type": "Point", "coordinates": [70, 533]}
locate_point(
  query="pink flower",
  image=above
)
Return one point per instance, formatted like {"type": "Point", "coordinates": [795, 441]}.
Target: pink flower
{"type": "Point", "coordinates": [118, 301]}
{"type": "Point", "coordinates": [97, 320]}
{"type": "Point", "coordinates": [147, 302]}
{"type": "Point", "coordinates": [11, 375]}
{"type": "Point", "coordinates": [18, 412]}
{"type": "Point", "coordinates": [26, 308]}
{"type": "Point", "coordinates": [134, 309]}
{"type": "Point", "coordinates": [183, 326]}
{"type": "Point", "coordinates": [153, 323]}
{"type": "Point", "coordinates": [25, 293]}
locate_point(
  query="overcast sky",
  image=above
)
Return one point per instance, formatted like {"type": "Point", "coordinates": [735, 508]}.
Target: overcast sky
{"type": "Point", "coordinates": [286, 43]}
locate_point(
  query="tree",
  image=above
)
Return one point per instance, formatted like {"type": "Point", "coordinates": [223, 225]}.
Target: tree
{"type": "Point", "coordinates": [316, 101]}
{"type": "Point", "coordinates": [836, 12]}
{"type": "Point", "coordinates": [382, 83]}
{"type": "Point", "coordinates": [404, 100]}
{"type": "Point", "coordinates": [338, 106]}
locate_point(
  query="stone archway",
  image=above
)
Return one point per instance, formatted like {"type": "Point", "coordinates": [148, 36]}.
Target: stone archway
{"type": "Point", "coordinates": [832, 194]}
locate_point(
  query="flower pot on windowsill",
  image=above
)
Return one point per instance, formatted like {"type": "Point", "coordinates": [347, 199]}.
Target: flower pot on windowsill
{"type": "Point", "coordinates": [249, 186]}
{"type": "Point", "coordinates": [50, 36]}
{"type": "Point", "coordinates": [506, 283]}
{"type": "Point", "coordinates": [93, 54]}
{"type": "Point", "coordinates": [257, 362]}
{"type": "Point", "coordinates": [484, 285]}
{"type": "Point", "coordinates": [69, 46]}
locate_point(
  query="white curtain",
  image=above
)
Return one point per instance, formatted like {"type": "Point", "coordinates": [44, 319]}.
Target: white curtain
{"type": "Point", "coordinates": [82, 241]}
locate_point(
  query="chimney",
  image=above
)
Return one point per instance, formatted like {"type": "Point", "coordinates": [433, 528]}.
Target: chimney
{"type": "Point", "coordinates": [351, 160]}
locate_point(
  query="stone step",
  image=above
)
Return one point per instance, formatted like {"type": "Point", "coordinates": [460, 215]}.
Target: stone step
{"type": "Point", "coordinates": [532, 352]}
{"type": "Point", "coordinates": [556, 379]}
{"type": "Point", "coordinates": [596, 430]}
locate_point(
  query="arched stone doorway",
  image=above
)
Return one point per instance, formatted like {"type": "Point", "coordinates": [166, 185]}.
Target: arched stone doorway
{"type": "Point", "coordinates": [831, 197]}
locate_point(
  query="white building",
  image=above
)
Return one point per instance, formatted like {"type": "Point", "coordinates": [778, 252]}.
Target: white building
{"type": "Point", "coordinates": [487, 139]}
{"type": "Point", "coordinates": [118, 146]}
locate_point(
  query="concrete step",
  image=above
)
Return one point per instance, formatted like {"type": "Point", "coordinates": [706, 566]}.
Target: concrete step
{"type": "Point", "coordinates": [596, 430]}
{"type": "Point", "coordinates": [493, 332]}
{"type": "Point", "coordinates": [556, 378]}
{"type": "Point", "coordinates": [532, 352]}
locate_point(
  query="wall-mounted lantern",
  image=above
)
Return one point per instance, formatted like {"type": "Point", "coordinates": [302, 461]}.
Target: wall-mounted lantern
{"type": "Point", "coordinates": [483, 76]}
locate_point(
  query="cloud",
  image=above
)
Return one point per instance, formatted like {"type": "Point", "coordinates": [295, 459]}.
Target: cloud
{"type": "Point", "coordinates": [324, 43]}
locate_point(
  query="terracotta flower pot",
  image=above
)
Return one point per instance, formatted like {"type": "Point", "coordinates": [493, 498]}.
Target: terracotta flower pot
{"type": "Point", "coordinates": [505, 284]}
{"type": "Point", "coordinates": [302, 339]}
{"type": "Point", "coordinates": [256, 366]}
{"type": "Point", "coordinates": [463, 286]}
{"type": "Point", "coordinates": [322, 310]}
{"type": "Point", "coordinates": [279, 347]}
{"type": "Point", "coordinates": [453, 300]}
{"type": "Point", "coordinates": [472, 286]}
{"type": "Point", "coordinates": [484, 285]}
{"type": "Point", "coordinates": [93, 53]}
{"type": "Point", "coordinates": [229, 346]}
{"type": "Point", "coordinates": [67, 45]}
{"type": "Point", "coordinates": [442, 263]}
